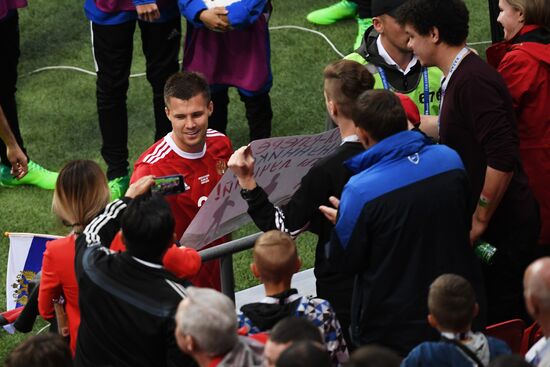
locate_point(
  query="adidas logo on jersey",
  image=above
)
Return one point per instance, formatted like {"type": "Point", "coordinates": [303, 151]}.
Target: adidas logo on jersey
{"type": "Point", "coordinates": [204, 179]}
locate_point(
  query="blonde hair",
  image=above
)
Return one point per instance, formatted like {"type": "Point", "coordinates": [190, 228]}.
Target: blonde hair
{"type": "Point", "coordinates": [81, 192]}
{"type": "Point", "coordinates": [535, 12]}
{"type": "Point", "coordinates": [275, 256]}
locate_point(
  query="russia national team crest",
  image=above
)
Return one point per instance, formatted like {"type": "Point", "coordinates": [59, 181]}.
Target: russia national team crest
{"type": "Point", "coordinates": [221, 167]}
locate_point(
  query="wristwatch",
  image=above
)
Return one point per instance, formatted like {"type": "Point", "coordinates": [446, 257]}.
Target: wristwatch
{"type": "Point", "coordinates": [250, 195]}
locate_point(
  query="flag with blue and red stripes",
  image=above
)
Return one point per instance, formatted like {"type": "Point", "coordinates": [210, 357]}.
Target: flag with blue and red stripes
{"type": "Point", "coordinates": [24, 263]}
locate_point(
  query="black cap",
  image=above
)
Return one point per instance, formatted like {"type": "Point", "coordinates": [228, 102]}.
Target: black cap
{"type": "Point", "coordinates": [380, 7]}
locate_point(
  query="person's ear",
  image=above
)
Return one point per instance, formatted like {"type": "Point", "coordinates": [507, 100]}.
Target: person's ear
{"type": "Point", "coordinates": [432, 321]}
{"type": "Point", "coordinates": [533, 306]}
{"type": "Point", "coordinates": [434, 35]}
{"type": "Point", "coordinates": [378, 24]}
{"type": "Point", "coordinates": [332, 108]}
{"type": "Point", "coordinates": [210, 108]}
{"type": "Point", "coordinates": [190, 343]}
{"type": "Point", "coordinates": [476, 310]}
{"type": "Point", "coordinates": [364, 137]}
{"type": "Point", "coordinates": [254, 270]}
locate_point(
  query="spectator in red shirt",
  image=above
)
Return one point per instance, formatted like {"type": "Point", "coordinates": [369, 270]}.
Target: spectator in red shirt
{"type": "Point", "coordinates": [523, 60]}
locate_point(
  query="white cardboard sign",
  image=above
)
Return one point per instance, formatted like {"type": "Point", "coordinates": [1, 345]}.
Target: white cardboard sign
{"type": "Point", "coordinates": [280, 165]}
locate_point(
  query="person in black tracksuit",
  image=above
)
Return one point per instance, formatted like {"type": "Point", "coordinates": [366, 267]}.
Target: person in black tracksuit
{"type": "Point", "coordinates": [128, 300]}
{"type": "Point", "coordinates": [344, 82]}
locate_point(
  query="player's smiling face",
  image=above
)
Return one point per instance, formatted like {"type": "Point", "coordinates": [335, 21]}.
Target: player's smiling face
{"type": "Point", "coordinates": [189, 120]}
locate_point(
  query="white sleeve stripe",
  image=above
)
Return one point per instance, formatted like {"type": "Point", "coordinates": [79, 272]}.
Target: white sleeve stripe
{"type": "Point", "coordinates": [180, 289]}
{"type": "Point", "coordinates": [151, 157]}
{"type": "Point", "coordinates": [111, 211]}
{"type": "Point", "coordinates": [155, 151]}
{"type": "Point", "coordinates": [280, 220]}
{"type": "Point", "coordinates": [281, 225]}
{"type": "Point", "coordinates": [161, 156]}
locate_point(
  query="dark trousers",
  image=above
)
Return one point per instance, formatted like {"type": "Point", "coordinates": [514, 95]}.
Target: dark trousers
{"type": "Point", "coordinates": [516, 246]}
{"type": "Point", "coordinates": [113, 47]}
{"type": "Point", "coordinates": [258, 113]}
{"type": "Point", "coordinates": [9, 44]}
{"type": "Point", "coordinates": [363, 8]}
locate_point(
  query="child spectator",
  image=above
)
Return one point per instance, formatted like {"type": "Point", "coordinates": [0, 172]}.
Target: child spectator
{"type": "Point", "coordinates": [374, 356]}
{"type": "Point", "coordinates": [452, 307]}
{"type": "Point", "coordinates": [43, 350]}
{"type": "Point", "coordinates": [275, 261]}
{"type": "Point", "coordinates": [304, 354]}
{"type": "Point", "coordinates": [288, 331]}
{"type": "Point", "coordinates": [228, 42]}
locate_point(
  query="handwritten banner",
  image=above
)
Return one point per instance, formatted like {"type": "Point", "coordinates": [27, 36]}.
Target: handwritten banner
{"type": "Point", "coordinates": [280, 165]}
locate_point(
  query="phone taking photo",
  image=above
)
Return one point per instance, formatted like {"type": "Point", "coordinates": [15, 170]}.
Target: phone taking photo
{"type": "Point", "coordinates": [169, 185]}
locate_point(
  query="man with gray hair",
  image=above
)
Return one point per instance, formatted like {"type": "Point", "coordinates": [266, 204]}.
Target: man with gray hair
{"type": "Point", "coordinates": [206, 329]}
{"type": "Point", "coordinates": [536, 291]}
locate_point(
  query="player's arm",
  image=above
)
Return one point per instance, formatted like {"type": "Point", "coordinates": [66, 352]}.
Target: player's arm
{"type": "Point", "coordinates": [183, 262]}
{"type": "Point", "coordinates": [16, 157]}
{"type": "Point", "coordinates": [245, 12]}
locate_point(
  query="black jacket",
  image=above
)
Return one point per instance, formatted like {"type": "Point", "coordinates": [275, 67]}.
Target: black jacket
{"type": "Point", "coordinates": [326, 178]}
{"type": "Point", "coordinates": [127, 308]}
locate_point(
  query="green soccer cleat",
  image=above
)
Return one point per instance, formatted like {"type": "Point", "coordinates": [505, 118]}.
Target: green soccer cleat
{"type": "Point", "coordinates": [343, 9]}
{"type": "Point", "coordinates": [118, 186]}
{"type": "Point", "coordinates": [363, 24]}
{"type": "Point", "coordinates": [36, 176]}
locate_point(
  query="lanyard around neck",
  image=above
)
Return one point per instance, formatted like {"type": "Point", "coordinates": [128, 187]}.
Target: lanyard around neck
{"type": "Point", "coordinates": [445, 82]}
{"type": "Point", "coordinates": [387, 86]}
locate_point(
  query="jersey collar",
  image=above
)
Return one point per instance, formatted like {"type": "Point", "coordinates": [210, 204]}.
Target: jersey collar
{"type": "Point", "coordinates": [170, 141]}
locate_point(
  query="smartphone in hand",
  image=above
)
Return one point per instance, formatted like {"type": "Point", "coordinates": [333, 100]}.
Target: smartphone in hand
{"type": "Point", "coordinates": [169, 185]}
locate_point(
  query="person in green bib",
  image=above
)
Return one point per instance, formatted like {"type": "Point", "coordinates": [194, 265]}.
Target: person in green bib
{"type": "Point", "coordinates": [385, 53]}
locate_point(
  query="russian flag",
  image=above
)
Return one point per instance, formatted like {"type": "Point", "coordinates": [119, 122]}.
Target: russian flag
{"type": "Point", "coordinates": [24, 262]}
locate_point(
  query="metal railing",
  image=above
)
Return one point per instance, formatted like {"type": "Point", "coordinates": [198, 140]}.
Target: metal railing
{"type": "Point", "coordinates": [225, 252]}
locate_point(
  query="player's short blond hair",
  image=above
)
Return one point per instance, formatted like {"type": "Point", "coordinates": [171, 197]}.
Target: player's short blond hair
{"type": "Point", "coordinates": [275, 256]}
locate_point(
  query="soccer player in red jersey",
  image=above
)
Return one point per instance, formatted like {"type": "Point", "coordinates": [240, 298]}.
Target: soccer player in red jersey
{"type": "Point", "coordinates": [192, 150]}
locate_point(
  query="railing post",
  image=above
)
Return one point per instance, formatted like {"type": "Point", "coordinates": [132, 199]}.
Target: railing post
{"type": "Point", "coordinates": [497, 34]}
{"type": "Point", "coordinates": [227, 278]}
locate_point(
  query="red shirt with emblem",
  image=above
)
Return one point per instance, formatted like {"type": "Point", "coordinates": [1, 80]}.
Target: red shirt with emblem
{"type": "Point", "coordinates": [201, 172]}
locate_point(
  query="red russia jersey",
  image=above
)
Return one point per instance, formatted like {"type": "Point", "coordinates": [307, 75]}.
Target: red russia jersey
{"type": "Point", "coordinates": [201, 172]}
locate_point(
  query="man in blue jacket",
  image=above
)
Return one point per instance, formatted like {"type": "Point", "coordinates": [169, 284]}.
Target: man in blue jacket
{"type": "Point", "coordinates": [113, 23]}
{"type": "Point", "coordinates": [403, 220]}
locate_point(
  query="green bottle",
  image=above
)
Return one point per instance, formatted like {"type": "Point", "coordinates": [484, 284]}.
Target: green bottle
{"type": "Point", "coordinates": [485, 251]}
